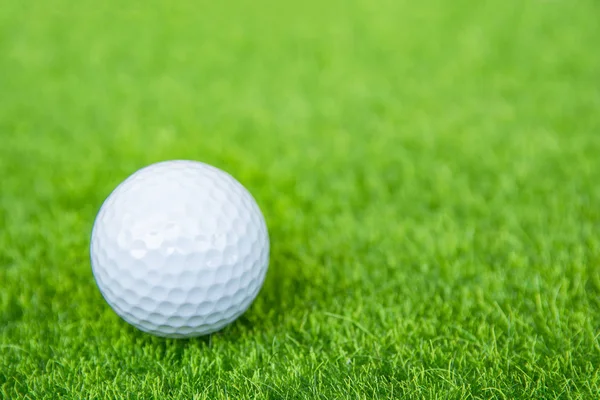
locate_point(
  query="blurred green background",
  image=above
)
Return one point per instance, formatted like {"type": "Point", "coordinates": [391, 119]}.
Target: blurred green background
{"type": "Point", "coordinates": [428, 170]}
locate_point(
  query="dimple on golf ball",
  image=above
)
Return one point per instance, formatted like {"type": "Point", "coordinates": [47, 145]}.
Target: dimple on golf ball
{"type": "Point", "coordinates": [179, 249]}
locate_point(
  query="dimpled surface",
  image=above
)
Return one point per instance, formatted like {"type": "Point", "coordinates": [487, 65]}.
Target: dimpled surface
{"type": "Point", "coordinates": [179, 249]}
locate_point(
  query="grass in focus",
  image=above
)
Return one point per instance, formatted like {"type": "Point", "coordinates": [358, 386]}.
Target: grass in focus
{"type": "Point", "coordinates": [428, 170]}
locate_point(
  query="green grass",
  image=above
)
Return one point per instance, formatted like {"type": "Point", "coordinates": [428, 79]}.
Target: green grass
{"type": "Point", "coordinates": [429, 171]}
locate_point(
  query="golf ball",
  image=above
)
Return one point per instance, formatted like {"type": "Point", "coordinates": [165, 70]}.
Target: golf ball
{"type": "Point", "coordinates": [179, 249]}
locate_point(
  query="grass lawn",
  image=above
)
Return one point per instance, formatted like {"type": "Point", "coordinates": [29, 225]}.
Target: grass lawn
{"type": "Point", "coordinates": [429, 171]}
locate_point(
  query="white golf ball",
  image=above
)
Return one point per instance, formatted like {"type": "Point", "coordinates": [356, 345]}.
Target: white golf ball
{"type": "Point", "coordinates": [179, 249]}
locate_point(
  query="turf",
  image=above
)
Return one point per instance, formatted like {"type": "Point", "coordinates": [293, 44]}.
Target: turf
{"type": "Point", "coordinates": [428, 170]}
